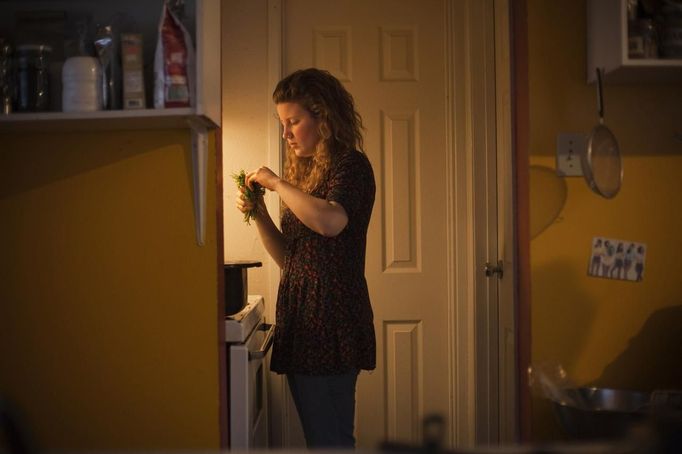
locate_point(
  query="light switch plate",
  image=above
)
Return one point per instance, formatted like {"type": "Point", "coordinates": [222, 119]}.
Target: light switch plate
{"type": "Point", "coordinates": [570, 146]}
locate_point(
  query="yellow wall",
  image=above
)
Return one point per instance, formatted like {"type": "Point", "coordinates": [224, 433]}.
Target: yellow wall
{"type": "Point", "coordinates": [247, 109]}
{"type": "Point", "coordinates": [108, 315]}
{"type": "Point", "coordinates": [604, 332]}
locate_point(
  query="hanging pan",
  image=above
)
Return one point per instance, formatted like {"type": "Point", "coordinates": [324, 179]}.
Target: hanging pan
{"type": "Point", "coordinates": [601, 163]}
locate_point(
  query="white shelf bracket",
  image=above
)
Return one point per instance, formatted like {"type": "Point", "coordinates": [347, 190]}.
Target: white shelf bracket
{"type": "Point", "coordinates": [199, 169]}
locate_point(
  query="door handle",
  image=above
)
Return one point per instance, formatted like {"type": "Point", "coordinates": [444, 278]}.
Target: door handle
{"type": "Point", "coordinates": [491, 269]}
{"type": "Point", "coordinates": [267, 342]}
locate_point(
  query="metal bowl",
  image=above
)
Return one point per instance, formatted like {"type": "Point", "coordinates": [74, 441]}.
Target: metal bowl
{"type": "Point", "coordinates": [600, 413]}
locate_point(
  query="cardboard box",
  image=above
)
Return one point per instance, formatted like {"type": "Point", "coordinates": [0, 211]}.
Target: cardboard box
{"type": "Point", "coordinates": [133, 74]}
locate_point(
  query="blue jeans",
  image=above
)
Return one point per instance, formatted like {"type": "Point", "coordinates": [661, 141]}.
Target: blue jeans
{"type": "Point", "coordinates": [326, 407]}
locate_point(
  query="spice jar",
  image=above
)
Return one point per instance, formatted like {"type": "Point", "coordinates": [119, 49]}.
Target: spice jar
{"type": "Point", "coordinates": [33, 78]}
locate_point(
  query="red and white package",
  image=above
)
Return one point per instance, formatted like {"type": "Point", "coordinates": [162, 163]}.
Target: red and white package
{"type": "Point", "coordinates": [174, 63]}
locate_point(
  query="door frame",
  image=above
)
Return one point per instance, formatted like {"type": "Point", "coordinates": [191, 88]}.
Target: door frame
{"type": "Point", "coordinates": [485, 386]}
{"type": "Point", "coordinates": [483, 402]}
{"type": "Point", "coordinates": [520, 133]}
{"type": "Point", "coordinates": [508, 217]}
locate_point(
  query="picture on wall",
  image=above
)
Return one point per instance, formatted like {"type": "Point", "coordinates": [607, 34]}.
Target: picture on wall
{"type": "Point", "coordinates": [617, 259]}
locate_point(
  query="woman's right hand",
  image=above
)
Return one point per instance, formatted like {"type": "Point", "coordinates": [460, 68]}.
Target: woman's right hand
{"type": "Point", "coordinates": [270, 235]}
{"type": "Point", "coordinates": [243, 203]}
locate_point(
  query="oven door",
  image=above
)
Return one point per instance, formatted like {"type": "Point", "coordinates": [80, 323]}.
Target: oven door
{"type": "Point", "coordinates": [248, 390]}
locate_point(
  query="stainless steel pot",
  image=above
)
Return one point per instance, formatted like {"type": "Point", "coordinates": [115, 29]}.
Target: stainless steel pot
{"type": "Point", "coordinates": [603, 413]}
{"type": "Point", "coordinates": [236, 284]}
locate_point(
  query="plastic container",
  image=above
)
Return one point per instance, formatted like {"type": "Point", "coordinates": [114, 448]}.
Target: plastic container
{"type": "Point", "coordinates": [81, 84]}
{"type": "Point", "coordinates": [33, 78]}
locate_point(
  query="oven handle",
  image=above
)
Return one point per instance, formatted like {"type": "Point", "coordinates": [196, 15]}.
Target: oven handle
{"type": "Point", "coordinates": [267, 342]}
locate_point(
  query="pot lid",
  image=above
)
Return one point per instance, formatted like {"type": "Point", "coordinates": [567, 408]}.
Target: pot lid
{"type": "Point", "coordinates": [243, 264]}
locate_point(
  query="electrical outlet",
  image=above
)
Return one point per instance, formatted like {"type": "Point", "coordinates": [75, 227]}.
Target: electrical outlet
{"type": "Point", "coordinates": [569, 149]}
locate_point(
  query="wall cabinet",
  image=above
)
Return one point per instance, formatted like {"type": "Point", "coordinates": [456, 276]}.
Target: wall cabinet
{"type": "Point", "coordinates": [607, 48]}
{"type": "Point", "coordinates": [203, 21]}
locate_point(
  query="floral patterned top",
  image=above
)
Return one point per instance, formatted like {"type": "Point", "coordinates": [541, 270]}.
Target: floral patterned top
{"type": "Point", "coordinates": [324, 320]}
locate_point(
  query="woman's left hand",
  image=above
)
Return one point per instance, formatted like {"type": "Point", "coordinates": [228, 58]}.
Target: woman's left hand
{"type": "Point", "coordinates": [263, 176]}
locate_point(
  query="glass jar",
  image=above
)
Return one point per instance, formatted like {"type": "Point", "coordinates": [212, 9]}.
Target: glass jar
{"type": "Point", "coordinates": [6, 77]}
{"type": "Point", "coordinates": [33, 78]}
{"type": "Point", "coordinates": [642, 39]}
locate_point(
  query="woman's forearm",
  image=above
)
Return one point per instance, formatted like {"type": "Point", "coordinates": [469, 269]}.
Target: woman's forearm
{"type": "Point", "coordinates": [270, 235]}
{"type": "Point", "coordinates": [319, 215]}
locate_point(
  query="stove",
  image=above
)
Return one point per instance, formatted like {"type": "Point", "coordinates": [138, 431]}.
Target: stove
{"type": "Point", "coordinates": [240, 325]}
{"type": "Point", "coordinates": [248, 339]}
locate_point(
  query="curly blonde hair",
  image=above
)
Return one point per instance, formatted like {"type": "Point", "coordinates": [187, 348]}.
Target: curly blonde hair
{"type": "Point", "coordinates": [340, 125]}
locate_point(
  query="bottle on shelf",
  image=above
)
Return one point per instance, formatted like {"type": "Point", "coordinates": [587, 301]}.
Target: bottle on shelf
{"type": "Point", "coordinates": [81, 84]}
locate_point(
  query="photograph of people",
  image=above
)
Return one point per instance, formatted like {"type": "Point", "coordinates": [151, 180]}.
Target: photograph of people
{"type": "Point", "coordinates": [611, 259]}
{"type": "Point", "coordinates": [597, 253]}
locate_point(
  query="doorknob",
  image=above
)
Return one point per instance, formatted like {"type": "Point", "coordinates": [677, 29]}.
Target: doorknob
{"type": "Point", "coordinates": [491, 269]}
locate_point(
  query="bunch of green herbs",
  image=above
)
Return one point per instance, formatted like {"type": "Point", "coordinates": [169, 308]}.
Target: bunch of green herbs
{"type": "Point", "coordinates": [251, 195]}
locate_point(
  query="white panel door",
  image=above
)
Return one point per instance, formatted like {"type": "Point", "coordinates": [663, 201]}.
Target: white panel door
{"type": "Point", "coordinates": [390, 55]}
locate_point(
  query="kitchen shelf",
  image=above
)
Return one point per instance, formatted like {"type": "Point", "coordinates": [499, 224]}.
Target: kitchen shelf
{"type": "Point", "coordinates": [105, 120]}
{"type": "Point", "coordinates": [607, 48]}
{"type": "Point", "coordinates": [203, 22]}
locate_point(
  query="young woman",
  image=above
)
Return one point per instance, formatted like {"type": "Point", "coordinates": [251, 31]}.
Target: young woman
{"type": "Point", "coordinates": [324, 324]}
